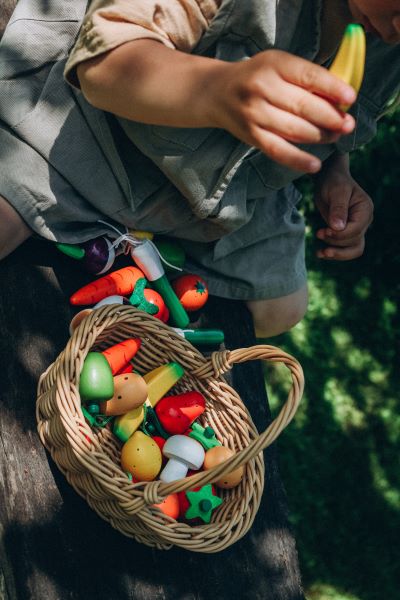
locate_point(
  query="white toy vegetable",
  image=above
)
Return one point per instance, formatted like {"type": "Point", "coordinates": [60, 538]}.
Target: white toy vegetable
{"type": "Point", "coordinates": [184, 453]}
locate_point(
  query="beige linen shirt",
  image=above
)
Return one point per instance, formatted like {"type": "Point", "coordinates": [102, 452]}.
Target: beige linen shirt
{"type": "Point", "coordinates": [178, 24]}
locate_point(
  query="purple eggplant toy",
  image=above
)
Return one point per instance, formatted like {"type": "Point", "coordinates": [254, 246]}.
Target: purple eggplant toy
{"type": "Point", "coordinates": [97, 255]}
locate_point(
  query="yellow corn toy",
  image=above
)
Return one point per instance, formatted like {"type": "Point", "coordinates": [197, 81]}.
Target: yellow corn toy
{"type": "Point", "coordinates": [159, 382]}
{"type": "Point", "coordinates": [349, 62]}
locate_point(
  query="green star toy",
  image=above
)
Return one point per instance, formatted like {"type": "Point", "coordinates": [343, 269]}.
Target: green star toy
{"type": "Point", "coordinates": [202, 503]}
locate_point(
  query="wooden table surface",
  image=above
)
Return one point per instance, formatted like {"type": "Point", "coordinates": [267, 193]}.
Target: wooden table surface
{"type": "Point", "coordinates": [53, 546]}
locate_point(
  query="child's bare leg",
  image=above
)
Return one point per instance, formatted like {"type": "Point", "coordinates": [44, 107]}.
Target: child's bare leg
{"type": "Point", "coordinates": [277, 315]}
{"type": "Point", "coordinates": [13, 229]}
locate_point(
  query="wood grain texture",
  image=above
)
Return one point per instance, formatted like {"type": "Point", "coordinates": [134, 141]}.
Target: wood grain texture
{"type": "Point", "coordinates": [53, 545]}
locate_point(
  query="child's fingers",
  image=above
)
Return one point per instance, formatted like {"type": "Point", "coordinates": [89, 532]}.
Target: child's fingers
{"type": "Point", "coordinates": [352, 230]}
{"type": "Point", "coordinates": [347, 253]}
{"type": "Point", "coordinates": [340, 242]}
{"type": "Point", "coordinates": [313, 109]}
{"type": "Point", "coordinates": [291, 127]}
{"type": "Point", "coordinates": [316, 79]}
{"type": "Point", "coordinates": [285, 153]}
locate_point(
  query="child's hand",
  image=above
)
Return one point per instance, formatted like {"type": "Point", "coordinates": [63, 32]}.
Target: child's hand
{"type": "Point", "coordinates": [268, 101]}
{"type": "Point", "coordinates": [275, 98]}
{"type": "Point", "coordinates": [347, 210]}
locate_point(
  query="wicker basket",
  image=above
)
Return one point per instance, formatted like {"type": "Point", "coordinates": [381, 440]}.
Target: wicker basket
{"type": "Point", "coordinates": [89, 458]}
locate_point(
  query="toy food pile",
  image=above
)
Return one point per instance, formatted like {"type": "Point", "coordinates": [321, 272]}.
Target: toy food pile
{"type": "Point", "coordinates": [161, 436]}
{"type": "Point", "coordinates": [145, 286]}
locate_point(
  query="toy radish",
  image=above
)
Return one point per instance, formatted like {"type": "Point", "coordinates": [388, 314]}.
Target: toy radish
{"type": "Point", "coordinates": [120, 282]}
{"type": "Point", "coordinates": [147, 259]}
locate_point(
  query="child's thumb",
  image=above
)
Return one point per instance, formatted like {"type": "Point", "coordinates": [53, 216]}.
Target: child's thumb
{"type": "Point", "coordinates": [338, 213]}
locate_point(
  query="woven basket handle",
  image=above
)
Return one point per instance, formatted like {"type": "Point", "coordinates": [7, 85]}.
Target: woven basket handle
{"type": "Point", "coordinates": [221, 362]}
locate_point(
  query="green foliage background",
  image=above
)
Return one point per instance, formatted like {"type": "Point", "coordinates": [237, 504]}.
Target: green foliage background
{"type": "Point", "coordinates": [340, 457]}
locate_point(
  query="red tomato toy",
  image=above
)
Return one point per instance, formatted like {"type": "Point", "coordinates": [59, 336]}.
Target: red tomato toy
{"type": "Point", "coordinates": [154, 298]}
{"type": "Point", "coordinates": [192, 291]}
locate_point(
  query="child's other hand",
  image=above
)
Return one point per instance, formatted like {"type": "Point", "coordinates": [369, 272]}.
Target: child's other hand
{"type": "Point", "coordinates": [275, 99]}
{"type": "Point", "coordinates": [347, 210]}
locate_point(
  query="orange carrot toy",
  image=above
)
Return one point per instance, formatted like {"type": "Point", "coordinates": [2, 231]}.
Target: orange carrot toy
{"type": "Point", "coordinates": [119, 355]}
{"type": "Point", "coordinates": [121, 282]}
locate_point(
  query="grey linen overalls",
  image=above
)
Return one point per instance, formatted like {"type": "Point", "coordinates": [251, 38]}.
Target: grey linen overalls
{"type": "Point", "coordinates": [64, 164]}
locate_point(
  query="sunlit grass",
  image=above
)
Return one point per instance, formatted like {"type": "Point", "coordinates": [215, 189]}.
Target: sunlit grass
{"type": "Point", "coordinates": [327, 592]}
{"type": "Point", "coordinates": [339, 458]}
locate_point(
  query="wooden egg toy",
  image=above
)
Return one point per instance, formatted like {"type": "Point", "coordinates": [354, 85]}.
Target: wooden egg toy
{"type": "Point", "coordinates": [216, 456]}
{"type": "Point", "coordinates": [130, 391]}
{"type": "Point", "coordinates": [141, 457]}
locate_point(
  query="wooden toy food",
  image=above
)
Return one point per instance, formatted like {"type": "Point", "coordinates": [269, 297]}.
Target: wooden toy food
{"type": "Point", "coordinates": [148, 300]}
{"type": "Point", "coordinates": [184, 453]}
{"type": "Point", "coordinates": [120, 282]}
{"type": "Point", "coordinates": [204, 435]}
{"type": "Point", "coordinates": [130, 391]}
{"type": "Point", "coordinates": [192, 291]}
{"type": "Point", "coordinates": [177, 413]}
{"type": "Point", "coordinates": [159, 382]}
{"type": "Point", "coordinates": [218, 455]}
{"type": "Point", "coordinates": [171, 253]}
{"type": "Point", "coordinates": [71, 250]}
{"type": "Point", "coordinates": [120, 354]}
{"type": "Point", "coordinates": [78, 318]}
{"type": "Point", "coordinates": [96, 255]}
{"type": "Point", "coordinates": [199, 503]}
{"type": "Point", "coordinates": [99, 255]}
{"type": "Point", "coordinates": [114, 299]}
{"type": "Point", "coordinates": [349, 62]}
{"type": "Point", "coordinates": [96, 381]}
{"type": "Point", "coordinates": [127, 369]}
{"type": "Point", "coordinates": [169, 506]}
{"type": "Point", "coordinates": [201, 337]}
{"type": "Point", "coordinates": [147, 259]}
{"type": "Point", "coordinates": [141, 457]}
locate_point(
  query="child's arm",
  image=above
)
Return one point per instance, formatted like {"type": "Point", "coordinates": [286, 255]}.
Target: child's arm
{"type": "Point", "coordinates": [346, 209]}
{"type": "Point", "coordinates": [268, 101]}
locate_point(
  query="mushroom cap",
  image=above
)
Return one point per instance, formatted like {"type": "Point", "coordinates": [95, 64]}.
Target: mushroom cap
{"type": "Point", "coordinates": [185, 450]}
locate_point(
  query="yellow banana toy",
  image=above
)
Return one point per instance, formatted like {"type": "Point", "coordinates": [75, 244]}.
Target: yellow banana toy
{"type": "Point", "coordinates": [349, 61]}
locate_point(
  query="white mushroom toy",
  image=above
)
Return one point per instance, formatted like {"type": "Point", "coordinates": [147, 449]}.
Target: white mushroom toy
{"type": "Point", "coordinates": [184, 453]}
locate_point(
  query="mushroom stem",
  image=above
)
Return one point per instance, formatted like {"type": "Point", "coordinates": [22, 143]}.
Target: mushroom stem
{"type": "Point", "coordinates": [173, 470]}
